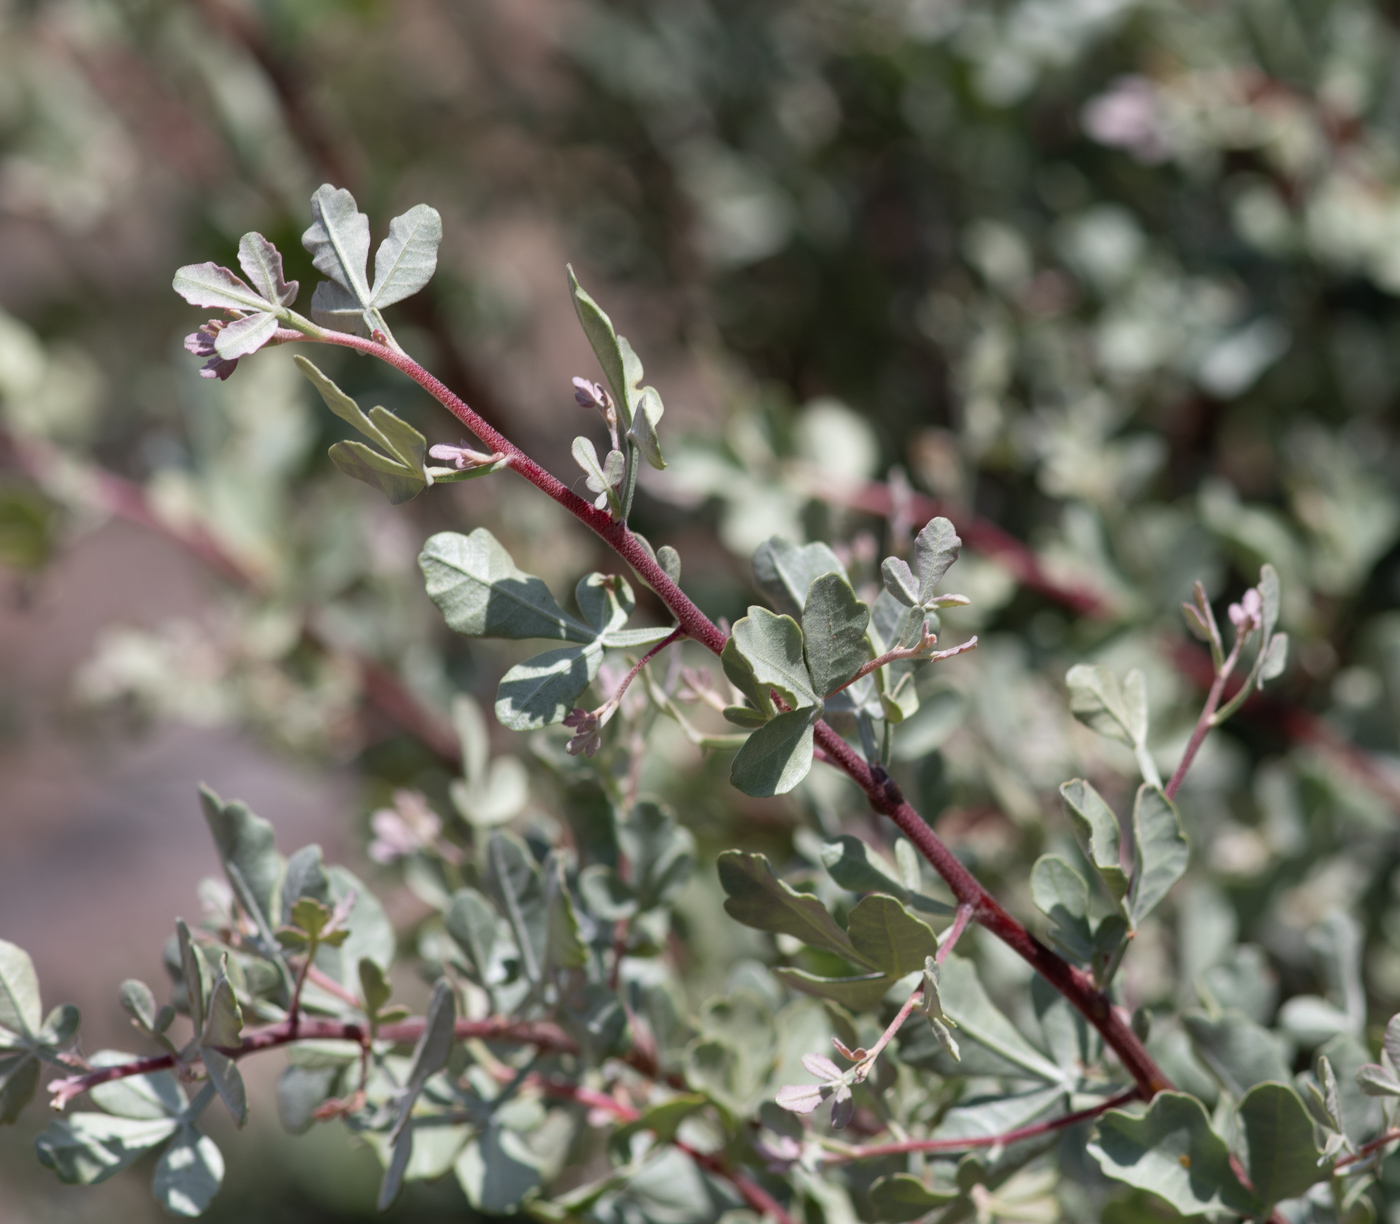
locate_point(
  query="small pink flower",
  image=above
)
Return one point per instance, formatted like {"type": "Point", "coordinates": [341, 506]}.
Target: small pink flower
{"type": "Point", "coordinates": [1128, 116]}
{"type": "Point", "coordinates": [588, 738]}
{"type": "Point", "coordinates": [461, 457]}
{"type": "Point", "coordinates": [1248, 614]}
{"type": "Point", "coordinates": [591, 395]}
{"type": "Point", "coordinates": [201, 344]}
{"type": "Point", "coordinates": [404, 829]}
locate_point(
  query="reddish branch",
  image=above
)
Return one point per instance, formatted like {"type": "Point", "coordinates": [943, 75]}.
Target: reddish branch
{"type": "Point", "coordinates": [753, 1194]}
{"type": "Point", "coordinates": [883, 794]}
{"type": "Point", "coordinates": [540, 1034]}
{"type": "Point", "coordinates": [1207, 719]}
{"type": "Point", "coordinates": [1034, 1131]}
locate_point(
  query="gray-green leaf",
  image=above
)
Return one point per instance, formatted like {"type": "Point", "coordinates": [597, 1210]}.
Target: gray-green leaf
{"type": "Point", "coordinates": [471, 921]}
{"type": "Point", "coordinates": [261, 262]}
{"type": "Point", "coordinates": [1172, 1151]}
{"type": "Point", "coordinates": [899, 581]}
{"type": "Point", "coordinates": [1160, 849]}
{"type": "Point", "coordinates": [398, 470]}
{"type": "Point", "coordinates": [643, 429]}
{"type": "Point", "coordinates": [853, 865]}
{"type": "Point", "coordinates": [1239, 1052]}
{"type": "Point", "coordinates": [1060, 893]}
{"type": "Point", "coordinates": [1098, 831]}
{"type": "Point", "coordinates": [936, 547]}
{"type": "Point", "coordinates": [773, 647]}
{"type": "Point", "coordinates": [785, 571]}
{"type": "Point", "coordinates": [189, 1174]}
{"type": "Point", "coordinates": [1281, 1153]}
{"type": "Point", "coordinates": [482, 593]}
{"type": "Point", "coordinates": [88, 1148]}
{"type": "Point", "coordinates": [604, 341]}
{"type": "Point", "coordinates": [541, 691]}
{"type": "Point", "coordinates": [248, 847]}
{"type": "Point", "coordinates": [888, 936]}
{"type": "Point", "coordinates": [19, 1079]}
{"type": "Point", "coordinates": [208, 284]}
{"type": "Point", "coordinates": [1096, 699]}
{"type": "Point", "coordinates": [338, 240]}
{"type": "Point", "coordinates": [497, 1171]}
{"type": "Point", "coordinates": [777, 756]}
{"type": "Point", "coordinates": [245, 336]}
{"type": "Point", "coordinates": [757, 898]}
{"type": "Point", "coordinates": [407, 258]}
{"type": "Point", "coordinates": [20, 1009]}
{"type": "Point", "coordinates": [834, 624]}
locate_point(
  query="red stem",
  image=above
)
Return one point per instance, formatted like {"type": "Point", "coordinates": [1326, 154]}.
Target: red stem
{"type": "Point", "coordinates": [622, 688]}
{"type": "Point", "coordinates": [1367, 1149]}
{"type": "Point", "coordinates": [984, 1141]}
{"type": "Point", "coordinates": [950, 940]}
{"type": "Point", "coordinates": [1203, 724]}
{"type": "Point", "coordinates": [883, 794]}
{"type": "Point", "coordinates": [753, 1194]}
{"type": "Point", "coordinates": [540, 1034]}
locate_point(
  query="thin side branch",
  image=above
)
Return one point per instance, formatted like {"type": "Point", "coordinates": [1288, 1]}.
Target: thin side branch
{"type": "Point", "coordinates": [842, 1153]}
{"type": "Point", "coordinates": [920, 650]}
{"type": "Point", "coordinates": [1206, 722]}
{"type": "Point", "coordinates": [541, 1035]}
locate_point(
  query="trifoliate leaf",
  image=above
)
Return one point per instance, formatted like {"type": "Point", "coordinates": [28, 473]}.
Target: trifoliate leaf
{"type": "Point", "coordinates": [602, 479]}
